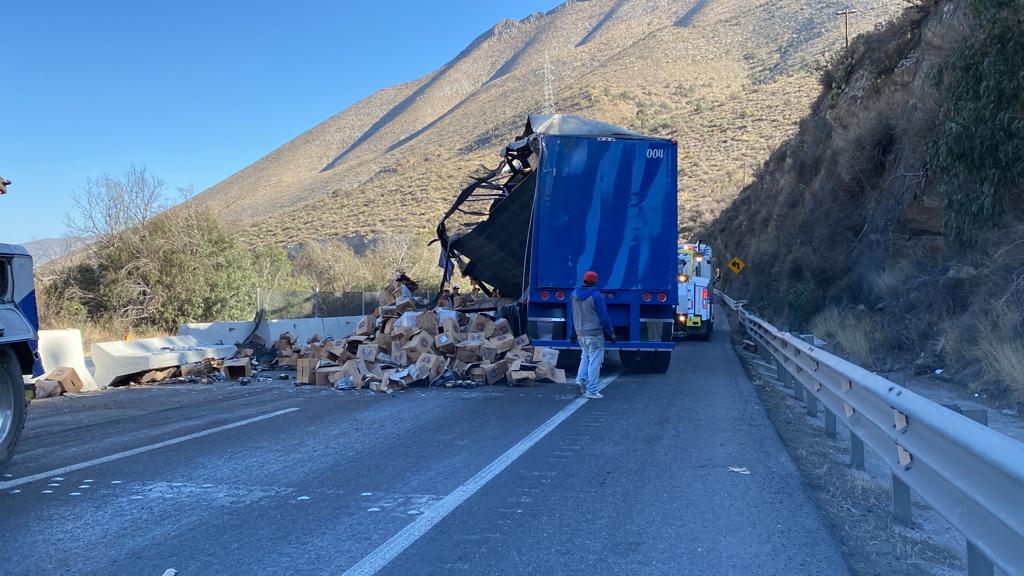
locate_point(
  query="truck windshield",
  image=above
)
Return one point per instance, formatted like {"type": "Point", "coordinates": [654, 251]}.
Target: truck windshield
{"type": "Point", "coordinates": [703, 269]}
{"type": "Point", "coordinates": [691, 267]}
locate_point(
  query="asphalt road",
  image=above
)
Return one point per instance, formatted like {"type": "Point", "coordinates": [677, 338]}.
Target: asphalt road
{"type": "Point", "coordinates": [272, 479]}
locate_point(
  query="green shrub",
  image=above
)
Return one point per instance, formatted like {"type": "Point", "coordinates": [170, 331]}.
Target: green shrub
{"type": "Point", "coordinates": [978, 153]}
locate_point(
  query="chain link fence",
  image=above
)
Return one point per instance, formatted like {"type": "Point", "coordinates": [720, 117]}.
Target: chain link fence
{"type": "Point", "coordinates": [283, 305]}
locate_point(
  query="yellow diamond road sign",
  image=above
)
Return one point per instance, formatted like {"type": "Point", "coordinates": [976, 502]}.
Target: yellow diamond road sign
{"type": "Point", "coordinates": [737, 265]}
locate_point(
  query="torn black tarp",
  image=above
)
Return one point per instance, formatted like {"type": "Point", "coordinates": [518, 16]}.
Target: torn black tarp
{"type": "Point", "coordinates": [494, 252]}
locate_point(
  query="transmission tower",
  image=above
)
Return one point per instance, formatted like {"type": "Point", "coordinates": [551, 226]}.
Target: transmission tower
{"type": "Point", "coordinates": [549, 85]}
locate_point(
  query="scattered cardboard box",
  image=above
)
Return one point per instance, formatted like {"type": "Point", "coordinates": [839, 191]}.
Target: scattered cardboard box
{"type": "Point", "coordinates": [367, 352]}
{"type": "Point", "coordinates": [522, 378]}
{"type": "Point", "coordinates": [549, 355]}
{"type": "Point", "coordinates": [67, 378]}
{"type": "Point", "coordinates": [501, 328]}
{"type": "Point", "coordinates": [468, 352]}
{"type": "Point", "coordinates": [495, 372]}
{"type": "Point", "coordinates": [481, 323]}
{"type": "Point", "coordinates": [324, 373]}
{"type": "Point", "coordinates": [306, 369]}
{"type": "Point", "coordinates": [445, 343]}
{"type": "Point", "coordinates": [367, 326]}
{"type": "Point", "coordinates": [503, 342]}
{"type": "Point", "coordinates": [237, 368]}
{"type": "Point", "coordinates": [196, 369]}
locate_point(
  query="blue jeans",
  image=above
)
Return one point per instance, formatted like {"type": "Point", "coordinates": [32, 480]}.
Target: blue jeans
{"type": "Point", "coordinates": [590, 362]}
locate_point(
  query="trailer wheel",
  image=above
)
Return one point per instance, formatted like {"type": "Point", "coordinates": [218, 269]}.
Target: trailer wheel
{"type": "Point", "coordinates": [569, 360]}
{"type": "Point", "coordinates": [12, 404]}
{"type": "Point", "coordinates": [646, 362]}
{"type": "Point", "coordinates": [627, 359]}
{"type": "Point", "coordinates": [659, 363]}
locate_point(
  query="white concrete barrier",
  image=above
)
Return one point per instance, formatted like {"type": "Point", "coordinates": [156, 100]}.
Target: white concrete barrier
{"type": "Point", "coordinates": [341, 327]}
{"type": "Point", "coordinates": [115, 360]}
{"type": "Point", "coordinates": [303, 329]}
{"type": "Point", "coordinates": [63, 348]}
{"type": "Point", "coordinates": [218, 332]}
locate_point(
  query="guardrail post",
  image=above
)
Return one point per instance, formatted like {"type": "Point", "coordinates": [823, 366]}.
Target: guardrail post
{"type": "Point", "coordinates": [798, 389]}
{"type": "Point", "coordinates": [782, 374]}
{"type": "Point", "coordinates": [979, 416]}
{"type": "Point", "coordinates": [812, 400]}
{"type": "Point", "coordinates": [977, 563]}
{"type": "Point", "coordinates": [856, 451]}
{"type": "Point", "coordinates": [830, 424]}
{"type": "Point", "coordinates": [901, 505]}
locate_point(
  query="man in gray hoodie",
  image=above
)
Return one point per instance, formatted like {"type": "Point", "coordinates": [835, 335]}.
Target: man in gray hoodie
{"type": "Point", "coordinates": [591, 325]}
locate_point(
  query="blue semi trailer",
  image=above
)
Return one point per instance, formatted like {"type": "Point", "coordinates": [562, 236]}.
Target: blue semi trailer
{"type": "Point", "coordinates": [573, 195]}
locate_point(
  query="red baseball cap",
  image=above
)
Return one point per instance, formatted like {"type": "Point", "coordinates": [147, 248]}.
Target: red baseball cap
{"type": "Point", "coordinates": [590, 277]}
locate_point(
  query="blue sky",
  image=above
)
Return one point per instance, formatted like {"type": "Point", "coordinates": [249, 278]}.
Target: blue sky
{"type": "Point", "coordinates": [195, 90]}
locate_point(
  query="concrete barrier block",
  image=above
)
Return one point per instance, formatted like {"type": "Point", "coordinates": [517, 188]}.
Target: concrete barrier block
{"type": "Point", "coordinates": [304, 328]}
{"type": "Point", "coordinates": [218, 332]}
{"type": "Point", "coordinates": [115, 360]}
{"type": "Point", "coordinates": [60, 348]}
{"type": "Point", "coordinates": [341, 327]}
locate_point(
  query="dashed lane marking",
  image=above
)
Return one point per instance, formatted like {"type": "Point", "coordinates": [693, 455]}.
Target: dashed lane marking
{"type": "Point", "coordinates": [389, 550]}
{"type": "Point", "coordinates": [137, 451]}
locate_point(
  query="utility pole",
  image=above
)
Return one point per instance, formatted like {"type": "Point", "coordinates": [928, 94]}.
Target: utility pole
{"type": "Point", "coordinates": [846, 14]}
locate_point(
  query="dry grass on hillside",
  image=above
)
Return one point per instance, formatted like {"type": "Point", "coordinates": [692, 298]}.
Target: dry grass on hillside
{"type": "Point", "coordinates": [730, 80]}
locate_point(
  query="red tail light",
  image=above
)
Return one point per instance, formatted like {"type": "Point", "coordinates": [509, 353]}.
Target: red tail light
{"type": "Point", "coordinates": [704, 293]}
{"type": "Point", "coordinates": [647, 296]}
{"type": "Point", "coordinates": [544, 294]}
{"type": "Point", "coordinates": [560, 295]}
{"type": "Point", "coordinates": [662, 297]}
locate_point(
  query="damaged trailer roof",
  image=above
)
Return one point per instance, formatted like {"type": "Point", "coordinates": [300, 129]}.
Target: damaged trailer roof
{"type": "Point", "coordinates": [494, 252]}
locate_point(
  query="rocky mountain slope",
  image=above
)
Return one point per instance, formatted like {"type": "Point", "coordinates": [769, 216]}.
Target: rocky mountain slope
{"type": "Point", "coordinates": [729, 78]}
{"type": "Point", "coordinates": [891, 223]}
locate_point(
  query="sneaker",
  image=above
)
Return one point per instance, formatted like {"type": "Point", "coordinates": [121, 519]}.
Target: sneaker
{"type": "Point", "coordinates": [580, 388]}
{"type": "Point", "coordinates": [593, 395]}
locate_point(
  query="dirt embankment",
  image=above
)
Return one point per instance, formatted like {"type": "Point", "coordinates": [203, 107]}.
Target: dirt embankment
{"type": "Point", "coordinates": [892, 223]}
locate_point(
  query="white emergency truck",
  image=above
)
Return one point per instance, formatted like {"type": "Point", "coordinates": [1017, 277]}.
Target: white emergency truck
{"type": "Point", "coordinates": [695, 312]}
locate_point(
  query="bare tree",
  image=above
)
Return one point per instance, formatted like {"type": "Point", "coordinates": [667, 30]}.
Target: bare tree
{"type": "Point", "coordinates": [107, 206]}
{"type": "Point", "coordinates": [111, 212]}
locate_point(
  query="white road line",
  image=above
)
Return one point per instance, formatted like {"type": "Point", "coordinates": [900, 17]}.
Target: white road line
{"type": "Point", "coordinates": [389, 550]}
{"type": "Point", "coordinates": [136, 451]}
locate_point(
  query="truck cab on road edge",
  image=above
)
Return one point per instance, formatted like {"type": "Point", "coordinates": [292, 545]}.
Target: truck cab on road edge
{"type": "Point", "coordinates": [19, 328]}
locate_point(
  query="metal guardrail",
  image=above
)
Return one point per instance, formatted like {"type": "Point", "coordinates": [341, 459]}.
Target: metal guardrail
{"type": "Point", "coordinates": [970, 474]}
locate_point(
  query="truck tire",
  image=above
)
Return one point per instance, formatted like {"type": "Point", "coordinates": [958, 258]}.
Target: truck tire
{"type": "Point", "coordinates": [569, 360]}
{"type": "Point", "coordinates": [646, 362]}
{"type": "Point", "coordinates": [12, 404]}
{"type": "Point", "coordinates": [659, 363]}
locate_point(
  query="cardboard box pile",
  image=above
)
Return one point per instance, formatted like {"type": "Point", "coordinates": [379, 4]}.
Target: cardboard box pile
{"type": "Point", "coordinates": [398, 346]}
